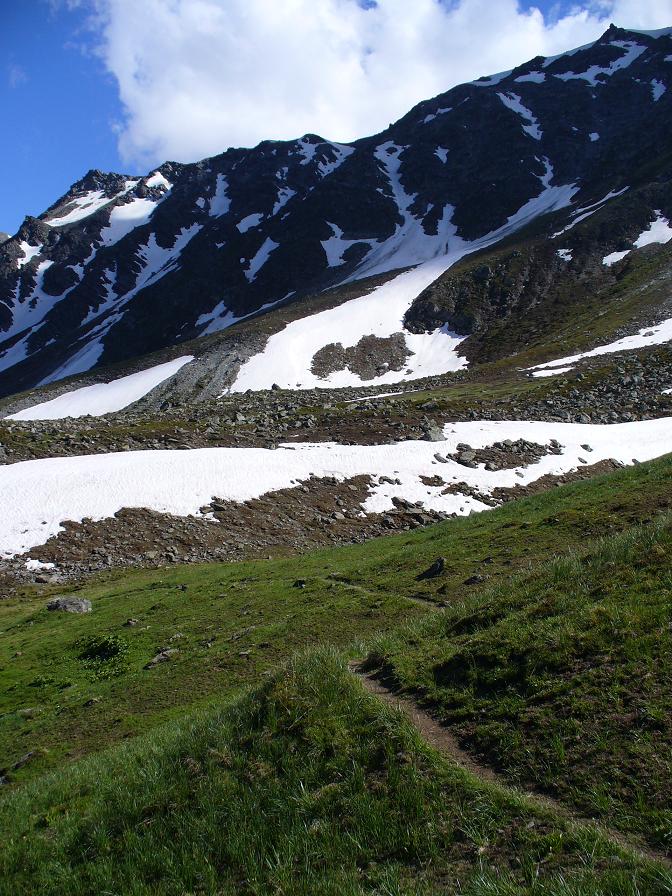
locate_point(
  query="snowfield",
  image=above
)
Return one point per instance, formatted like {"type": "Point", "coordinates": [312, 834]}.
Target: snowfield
{"type": "Point", "coordinates": [180, 482]}
{"type": "Point", "coordinates": [288, 355]}
{"type": "Point", "coordinates": [103, 398]}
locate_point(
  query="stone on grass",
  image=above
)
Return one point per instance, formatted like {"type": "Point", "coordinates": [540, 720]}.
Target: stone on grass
{"type": "Point", "coordinates": [434, 570]}
{"type": "Point", "coordinates": [69, 605]}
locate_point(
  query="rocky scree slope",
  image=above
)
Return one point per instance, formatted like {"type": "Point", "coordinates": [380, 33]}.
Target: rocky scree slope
{"type": "Point", "coordinates": [121, 266]}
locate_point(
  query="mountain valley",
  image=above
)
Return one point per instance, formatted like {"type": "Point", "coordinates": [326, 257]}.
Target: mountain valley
{"type": "Point", "coordinates": [298, 431]}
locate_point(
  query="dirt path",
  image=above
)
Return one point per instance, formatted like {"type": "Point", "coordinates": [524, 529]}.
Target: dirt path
{"type": "Point", "coordinates": [441, 738]}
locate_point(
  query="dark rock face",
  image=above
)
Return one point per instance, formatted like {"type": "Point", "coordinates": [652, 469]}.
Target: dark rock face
{"type": "Point", "coordinates": [122, 266]}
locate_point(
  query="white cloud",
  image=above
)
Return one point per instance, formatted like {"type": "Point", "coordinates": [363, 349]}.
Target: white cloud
{"type": "Point", "coordinates": [197, 76]}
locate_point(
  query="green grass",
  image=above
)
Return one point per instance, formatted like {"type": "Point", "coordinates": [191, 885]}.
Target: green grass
{"type": "Point", "coordinates": [248, 764]}
{"type": "Point", "coordinates": [560, 677]}
{"type": "Point", "coordinates": [70, 684]}
{"type": "Point", "coordinates": [231, 623]}
{"type": "Point", "coordinates": [306, 786]}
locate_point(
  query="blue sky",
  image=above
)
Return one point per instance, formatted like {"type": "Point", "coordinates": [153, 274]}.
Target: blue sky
{"type": "Point", "coordinates": [58, 107]}
{"type": "Point", "coordinates": [167, 83]}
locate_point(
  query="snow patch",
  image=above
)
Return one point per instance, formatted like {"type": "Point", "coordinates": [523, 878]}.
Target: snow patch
{"type": "Point", "coordinates": [613, 257]}
{"type": "Point", "coordinates": [103, 398]}
{"type": "Point", "coordinates": [492, 80]}
{"type": "Point", "coordinates": [220, 202]}
{"type": "Point", "coordinates": [513, 102]}
{"type": "Point", "coordinates": [647, 336]}
{"type": "Point", "coordinates": [657, 89]}
{"type": "Point", "coordinates": [249, 221]}
{"type": "Point", "coordinates": [284, 195]}
{"type": "Point", "coordinates": [260, 258]}
{"type": "Point", "coordinates": [633, 51]}
{"type": "Point", "coordinates": [181, 482]}
{"type": "Point", "coordinates": [220, 318]}
{"type": "Point", "coordinates": [158, 180]}
{"type": "Point", "coordinates": [28, 252]}
{"type": "Point", "coordinates": [442, 153]}
{"type": "Point", "coordinates": [531, 78]}
{"type": "Point", "coordinates": [433, 115]}
{"type": "Point", "coordinates": [125, 218]}
{"type": "Point", "coordinates": [37, 565]}
{"type": "Point", "coordinates": [565, 254]}
{"type": "Point", "coordinates": [554, 372]}
{"type": "Point", "coordinates": [84, 206]}
{"type": "Point", "coordinates": [341, 152]}
{"type": "Point", "coordinates": [659, 231]}
{"type": "Point", "coordinates": [594, 137]}
{"type": "Point", "coordinates": [335, 247]}
{"type": "Point", "coordinates": [580, 214]}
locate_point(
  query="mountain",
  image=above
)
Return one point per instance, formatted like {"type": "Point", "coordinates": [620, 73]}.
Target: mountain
{"type": "Point", "coordinates": [336, 522]}
{"type": "Point", "coordinates": [123, 266]}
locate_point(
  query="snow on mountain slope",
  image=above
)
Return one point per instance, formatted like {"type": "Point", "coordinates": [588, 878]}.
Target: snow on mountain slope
{"type": "Point", "coordinates": [103, 398]}
{"type": "Point", "coordinates": [595, 73]}
{"type": "Point", "coordinates": [648, 336]}
{"type": "Point", "coordinates": [513, 102]}
{"type": "Point", "coordinates": [181, 482]}
{"type": "Point", "coordinates": [659, 231]}
{"type": "Point", "coordinates": [288, 358]}
{"type": "Point", "coordinates": [125, 218]}
{"type": "Point", "coordinates": [580, 214]}
{"type": "Point", "coordinates": [88, 204]}
{"type": "Point", "coordinates": [296, 218]}
{"type": "Point", "coordinates": [153, 262]}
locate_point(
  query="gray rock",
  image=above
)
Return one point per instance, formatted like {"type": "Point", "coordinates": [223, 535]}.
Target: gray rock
{"type": "Point", "coordinates": [69, 605]}
{"type": "Point", "coordinates": [162, 657]}
{"type": "Point", "coordinates": [433, 433]}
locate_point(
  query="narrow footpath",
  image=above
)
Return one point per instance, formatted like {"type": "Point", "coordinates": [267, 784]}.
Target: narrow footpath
{"type": "Point", "coordinates": [440, 737]}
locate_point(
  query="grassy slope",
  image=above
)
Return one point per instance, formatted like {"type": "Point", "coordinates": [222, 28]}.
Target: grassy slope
{"type": "Point", "coordinates": [561, 677]}
{"type": "Point", "coordinates": [256, 617]}
{"type": "Point", "coordinates": [306, 786]}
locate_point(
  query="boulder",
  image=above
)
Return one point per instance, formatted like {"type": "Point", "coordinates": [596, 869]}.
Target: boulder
{"type": "Point", "coordinates": [69, 605]}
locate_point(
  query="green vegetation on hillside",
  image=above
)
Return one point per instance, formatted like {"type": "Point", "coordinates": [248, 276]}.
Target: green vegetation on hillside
{"type": "Point", "coordinates": [561, 677]}
{"type": "Point", "coordinates": [259, 770]}
{"type": "Point", "coordinates": [306, 786]}
{"type": "Point", "coordinates": [230, 623]}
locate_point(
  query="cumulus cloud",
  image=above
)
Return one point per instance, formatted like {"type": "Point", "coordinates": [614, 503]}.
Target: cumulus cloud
{"type": "Point", "coordinates": [198, 76]}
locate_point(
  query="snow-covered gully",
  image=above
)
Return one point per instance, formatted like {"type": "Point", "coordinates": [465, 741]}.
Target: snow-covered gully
{"type": "Point", "coordinates": [182, 482]}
